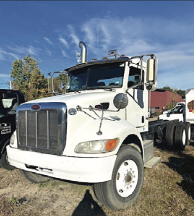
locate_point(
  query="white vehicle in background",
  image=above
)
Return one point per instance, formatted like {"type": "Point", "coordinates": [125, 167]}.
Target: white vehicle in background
{"type": "Point", "coordinates": [178, 112]}
{"type": "Point", "coordinates": [183, 111]}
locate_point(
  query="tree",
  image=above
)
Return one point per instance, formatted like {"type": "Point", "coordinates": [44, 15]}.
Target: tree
{"type": "Point", "coordinates": [169, 106]}
{"type": "Point", "coordinates": [176, 91]}
{"type": "Point", "coordinates": [181, 92]}
{"type": "Point", "coordinates": [59, 82]}
{"type": "Point", "coordinates": [168, 88]}
{"type": "Point", "coordinates": [62, 81]}
{"type": "Point", "coordinates": [28, 78]}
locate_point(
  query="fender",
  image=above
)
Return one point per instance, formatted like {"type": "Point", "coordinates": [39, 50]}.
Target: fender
{"type": "Point", "coordinates": [110, 129]}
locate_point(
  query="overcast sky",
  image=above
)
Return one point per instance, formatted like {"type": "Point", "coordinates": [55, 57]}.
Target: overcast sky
{"type": "Point", "coordinates": [50, 31]}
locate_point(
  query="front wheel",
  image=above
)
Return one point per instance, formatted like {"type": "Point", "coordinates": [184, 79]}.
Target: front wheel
{"type": "Point", "coordinates": [126, 183]}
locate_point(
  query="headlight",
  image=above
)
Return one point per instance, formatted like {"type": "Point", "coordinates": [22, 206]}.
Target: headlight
{"type": "Point", "coordinates": [12, 139]}
{"type": "Point", "coordinates": [96, 147]}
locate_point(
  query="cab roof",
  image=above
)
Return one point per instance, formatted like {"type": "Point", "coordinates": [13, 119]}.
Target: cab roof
{"type": "Point", "coordinates": [98, 62]}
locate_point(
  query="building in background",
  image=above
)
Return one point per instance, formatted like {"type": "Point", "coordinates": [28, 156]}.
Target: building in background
{"type": "Point", "coordinates": [160, 98]}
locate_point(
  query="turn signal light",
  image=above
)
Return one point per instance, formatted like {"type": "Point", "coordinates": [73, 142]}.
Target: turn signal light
{"type": "Point", "coordinates": [110, 144]}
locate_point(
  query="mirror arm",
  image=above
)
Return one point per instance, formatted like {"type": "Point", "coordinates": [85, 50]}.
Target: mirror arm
{"type": "Point", "coordinates": [52, 74]}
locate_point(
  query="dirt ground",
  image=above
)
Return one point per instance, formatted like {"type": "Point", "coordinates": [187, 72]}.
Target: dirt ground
{"type": "Point", "coordinates": [168, 190]}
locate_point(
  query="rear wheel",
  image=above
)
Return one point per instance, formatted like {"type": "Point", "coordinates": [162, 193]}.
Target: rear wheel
{"type": "Point", "coordinates": [126, 183]}
{"type": "Point", "coordinates": [33, 177]}
{"type": "Point", "coordinates": [170, 134]}
{"type": "Point", "coordinates": [180, 136]}
{"type": "Point", "coordinates": [188, 132]}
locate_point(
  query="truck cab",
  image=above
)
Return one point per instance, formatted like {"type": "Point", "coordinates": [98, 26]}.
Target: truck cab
{"type": "Point", "coordinates": [97, 132]}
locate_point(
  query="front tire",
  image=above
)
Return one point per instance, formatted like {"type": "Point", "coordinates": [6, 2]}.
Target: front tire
{"type": "Point", "coordinates": [126, 183]}
{"type": "Point", "coordinates": [33, 177]}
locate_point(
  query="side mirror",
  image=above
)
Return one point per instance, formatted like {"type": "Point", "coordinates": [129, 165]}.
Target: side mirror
{"type": "Point", "coordinates": [151, 74]}
{"type": "Point", "coordinates": [120, 101]}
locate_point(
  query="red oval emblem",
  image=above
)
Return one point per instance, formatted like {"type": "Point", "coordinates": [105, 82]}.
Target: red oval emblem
{"type": "Point", "coordinates": [35, 107]}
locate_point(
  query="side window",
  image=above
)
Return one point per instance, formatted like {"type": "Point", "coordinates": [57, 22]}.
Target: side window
{"type": "Point", "coordinates": [8, 103]}
{"type": "Point", "coordinates": [134, 79]}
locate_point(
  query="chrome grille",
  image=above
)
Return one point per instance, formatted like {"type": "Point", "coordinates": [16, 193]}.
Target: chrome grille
{"type": "Point", "coordinates": [43, 130]}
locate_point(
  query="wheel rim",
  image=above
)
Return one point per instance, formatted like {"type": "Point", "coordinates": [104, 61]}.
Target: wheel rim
{"type": "Point", "coordinates": [184, 137]}
{"type": "Point", "coordinates": [127, 178]}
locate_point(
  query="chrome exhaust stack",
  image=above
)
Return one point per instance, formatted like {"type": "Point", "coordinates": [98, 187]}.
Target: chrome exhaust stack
{"type": "Point", "coordinates": [83, 51]}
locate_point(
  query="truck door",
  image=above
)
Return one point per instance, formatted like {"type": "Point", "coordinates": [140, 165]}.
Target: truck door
{"type": "Point", "coordinates": [8, 106]}
{"type": "Point", "coordinates": [137, 106]}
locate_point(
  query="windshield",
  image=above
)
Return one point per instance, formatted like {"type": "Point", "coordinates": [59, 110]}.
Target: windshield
{"type": "Point", "coordinates": [177, 109]}
{"type": "Point", "coordinates": [97, 76]}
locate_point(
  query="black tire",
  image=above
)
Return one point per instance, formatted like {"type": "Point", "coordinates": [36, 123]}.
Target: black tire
{"type": "Point", "coordinates": [170, 135]}
{"type": "Point", "coordinates": [34, 177]}
{"type": "Point", "coordinates": [188, 132]}
{"type": "Point", "coordinates": [180, 136]}
{"type": "Point", "coordinates": [3, 161]}
{"type": "Point", "coordinates": [126, 183]}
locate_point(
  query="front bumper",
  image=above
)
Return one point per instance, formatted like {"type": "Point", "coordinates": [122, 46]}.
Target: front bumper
{"type": "Point", "coordinates": [91, 170]}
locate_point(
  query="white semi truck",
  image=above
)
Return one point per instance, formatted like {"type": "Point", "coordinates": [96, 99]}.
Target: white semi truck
{"type": "Point", "coordinates": [98, 132]}
{"type": "Point", "coordinates": [183, 112]}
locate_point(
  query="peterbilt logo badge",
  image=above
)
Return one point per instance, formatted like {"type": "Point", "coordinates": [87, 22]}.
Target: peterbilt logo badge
{"type": "Point", "coordinates": [35, 107]}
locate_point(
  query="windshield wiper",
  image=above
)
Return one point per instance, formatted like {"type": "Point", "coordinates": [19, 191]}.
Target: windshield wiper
{"type": "Point", "coordinates": [105, 89]}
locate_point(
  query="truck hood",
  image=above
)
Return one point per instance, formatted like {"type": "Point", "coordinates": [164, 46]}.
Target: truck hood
{"type": "Point", "coordinates": [83, 99]}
